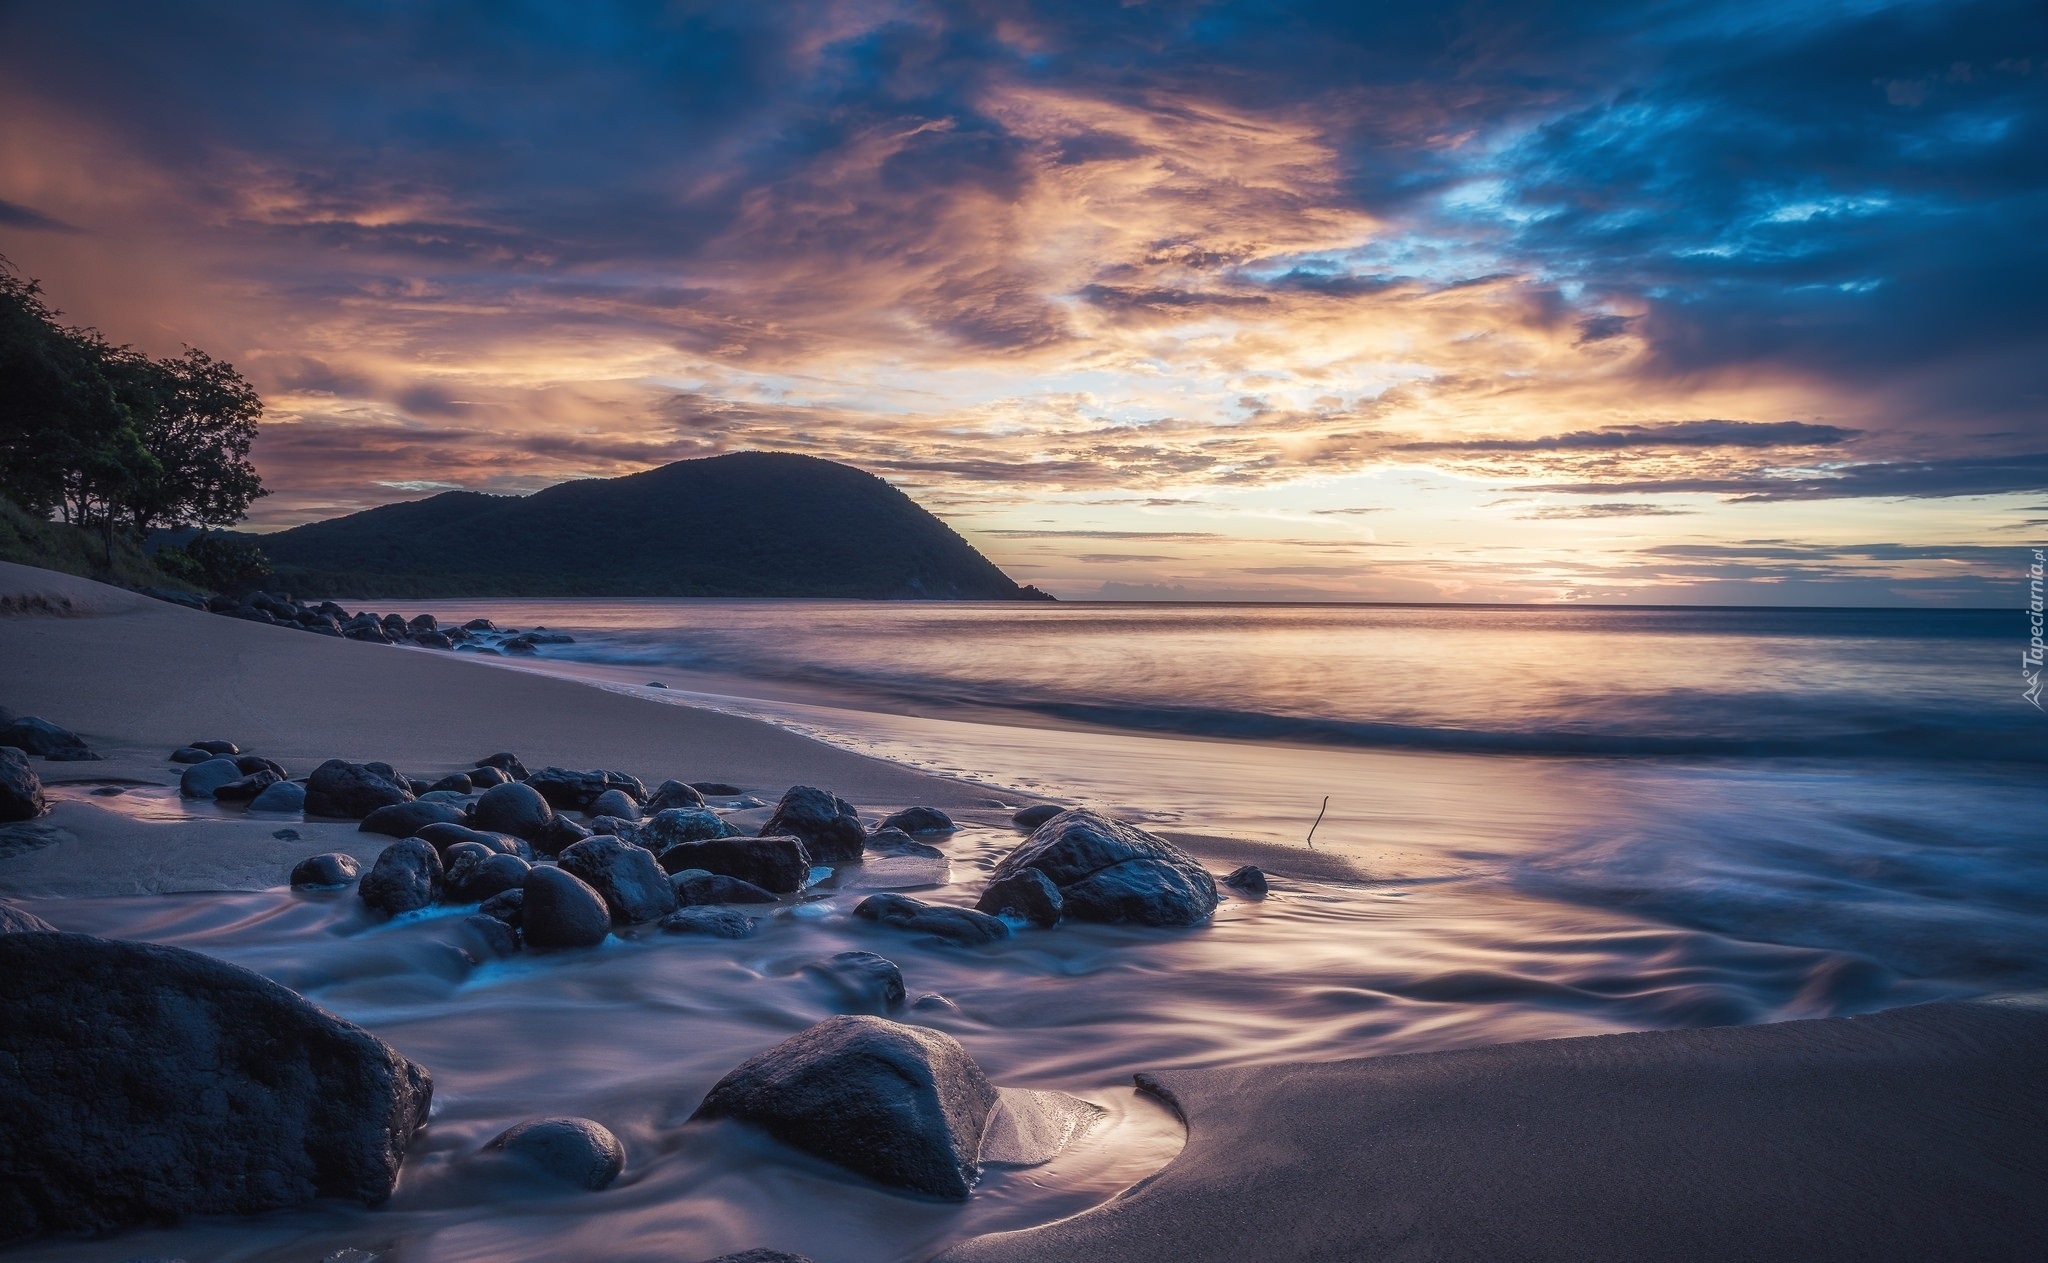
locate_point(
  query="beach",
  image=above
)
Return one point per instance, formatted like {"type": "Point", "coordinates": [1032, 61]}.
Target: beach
{"type": "Point", "coordinates": [1721, 1131]}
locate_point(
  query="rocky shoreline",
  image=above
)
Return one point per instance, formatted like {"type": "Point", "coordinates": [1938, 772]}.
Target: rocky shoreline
{"type": "Point", "coordinates": [326, 618]}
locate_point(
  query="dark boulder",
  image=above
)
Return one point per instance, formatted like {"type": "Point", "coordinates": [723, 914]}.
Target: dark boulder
{"type": "Point", "coordinates": [21, 790]}
{"type": "Point", "coordinates": [1107, 870]}
{"type": "Point", "coordinates": [1249, 881]}
{"type": "Point", "coordinates": [432, 640]}
{"type": "Point", "coordinates": [14, 919]}
{"type": "Point", "coordinates": [202, 779]}
{"type": "Point", "coordinates": [31, 735]}
{"type": "Point", "coordinates": [574, 1151]}
{"type": "Point", "coordinates": [1032, 817]}
{"type": "Point", "coordinates": [480, 778]}
{"type": "Point", "coordinates": [716, 789]}
{"type": "Point", "coordinates": [350, 791]}
{"type": "Point", "coordinates": [673, 794]}
{"type": "Point", "coordinates": [674, 826]}
{"type": "Point", "coordinates": [189, 754]}
{"type": "Point", "coordinates": [406, 877]}
{"type": "Point", "coordinates": [559, 910]}
{"type": "Point", "coordinates": [957, 925]}
{"type": "Point", "coordinates": [778, 864]}
{"type": "Point", "coordinates": [513, 808]}
{"type": "Point", "coordinates": [625, 876]}
{"type": "Point", "coordinates": [168, 1084]}
{"type": "Point", "coordinates": [566, 790]}
{"type": "Point", "coordinates": [228, 748]}
{"type": "Point", "coordinates": [284, 796]}
{"type": "Point", "coordinates": [250, 764]}
{"type": "Point", "coordinates": [895, 842]}
{"type": "Point", "coordinates": [696, 888]}
{"type": "Point", "coordinates": [507, 763]}
{"type": "Point", "coordinates": [443, 836]}
{"type": "Point", "coordinates": [920, 820]}
{"type": "Point", "coordinates": [325, 872]}
{"type": "Point", "coordinates": [714, 922]}
{"type": "Point", "coordinates": [1026, 893]}
{"type": "Point", "coordinates": [559, 834]}
{"type": "Point", "coordinates": [480, 625]}
{"type": "Point", "coordinates": [456, 783]}
{"type": "Point", "coordinates": [902, 1105]}
{"type": "Point", "coordinates": [508, 906]}
{"type": "Point", "coordinates": [829, 825]}
{"type": "Point", "coordinates": [860, 982]}
{"type": "Point", "coordinates": [476, 878]}
{"type": "Point", "coordinates": [421, 623]}
{"type": "Point", "coordinates": [616, 803]}
{"type": "Point", "coordinates": [405, 820]}
{"type": "Point", "coordinates": [484, 938]}
{"type": "Point", "coordinates": [248, 788]}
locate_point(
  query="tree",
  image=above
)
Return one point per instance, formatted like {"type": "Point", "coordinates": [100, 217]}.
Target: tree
{"type": "Point", "coordinates": [198, 418]}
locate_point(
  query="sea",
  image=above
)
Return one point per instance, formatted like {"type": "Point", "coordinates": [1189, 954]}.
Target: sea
{"type": "Point", "coordinates": [1508, 823]}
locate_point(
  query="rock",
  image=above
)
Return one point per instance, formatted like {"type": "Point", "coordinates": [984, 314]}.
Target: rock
{"type": "Point", "coordinates": [862, 982]}
{"type": "Point", "coordinates": [673, 826]}
{"type": "Point", "coordinates": [616, 803]}
{"type": "Point", "coordinates": [778, 864]}
{"type": "Point", "coordinates": [350, 791]}
{"type": "Point", "coordinates": [829, 826]}
{"type": "Point", "coordinates": [560, 911]}
{"type": "Point", "coordinates": [250, 764]}
{"type": "Point", "coordinates": [508, 906]}
{"type": "Point", "coordinates": [656, 684]}
{"type": "Point", "coordinates": [716, 789]}
{"type": "Point", "coordinates": [202, 779]}
{"type": "Point", "coordinates": [189, 754]}
{"type": "Point", "coordinates": [15, 919]}
{"type": "Point", "coordinates": [696, 888]}
{"type": "Point", "coordinates": [674, 794]}
{"type": "Point", "coordinates": [559, 834]}
{"type": "Point", "coordinates": [475, 879]}
{"type": "Point", "coordinates": [958, 925]}
{"type": "Point", "coordinates": [287, 796]}
{"type": "Point", "coordinates": [574, 1151]}
{"type": "Point", "coordinates": [406, 877]}
{"type": "Point", "coordinates": [625, 876]}
{"type": "Point", "coordinates": [31, 735]}
{"type": "Point", "coordinates": [405, 820]}
{"type": "Point", "coordinates": [1249, 881]}
{"type": "Point", "coordinates": [21, 790]}
{"type": "Point", "coordinates": [509, 764]}
{"type": "Point", "coordinates": [889, 841]}
{"type": "Point", "coordinates": [479, 625]}
{"type": "Point", "coordinates": [325, 872]}
{"type": "Point", "coordinates": [920, 820]}
{"type": "Point", "coordinates": [513, 808]}
{"type": "Point", "coordinates": [169, 1084]}
{"type": "Point", "coordinates": [1026, 893]}
{"type": "Point", "coordinates": [444, 835]}
{"type": "Point", "coordinates": [228, 748]}
{"type": "Point", "coordinates": [248, 788]}
{"type": "Point", "coordinates": [421, 623]}
{"type": "Point", "coordinates": [490, 937]}
{"type": "Point", "coordinates": [717, 922]}
{"type": "Point", "coordinates": [457, 783]}
{"type": "Point", "coordinates": [1032, 817]}
{"type": "Point", "coordinates": [432, 640]}
{"type": "Point", "coordinates": [902, 1105]}
{"type": "Point", "coordinates": [575, 791]}
{"type": "Point", "coordinates": [484, 777]}
{"type": "Point", "coordinates": [1107, 870]}
{"type": "Point", "coordinates": [760, 1256]}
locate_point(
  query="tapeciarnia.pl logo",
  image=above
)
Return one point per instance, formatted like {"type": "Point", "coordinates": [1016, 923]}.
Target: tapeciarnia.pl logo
{"type": "Point", "coordinates": [2030, 658]}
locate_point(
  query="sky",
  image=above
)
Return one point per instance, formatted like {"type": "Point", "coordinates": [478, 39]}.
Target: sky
{"type": "Point", "coordinates": [1727, 302]}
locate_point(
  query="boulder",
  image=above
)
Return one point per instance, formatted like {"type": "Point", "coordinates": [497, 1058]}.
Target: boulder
{"type": "Point", "coordinates": [168, 1084]}
{"type": "Point", "coordinates": [575, 791]}
{"type": "Point", "coordinates": [674, 794]}
{"type": "Point", "coordinates": [405, 820]}
{"type": "Point", "coordinates": [829, 825]}
{"type": "Point", "coordinates": [327, 871]}
{"type": "Point", "coordinates": [920, 820]}
{"type": "Point", "coordinates": [574, 1151]}
{"type": "Point", "coordinates": [616, 803]}
{"type": "Point", "coordinates": [625, 876]}
{"type": "Point", "coordinates": [508, 906]}
{"type": "Point", "coordinates": [406, 877]}
{"type": "Point", "coordinates": [673, 826]}
{"type": "Point", "coordinates": [228, 748]}
{"type": "Point", "coordinates": [558, 834]}
{"type": "Point", "coordinates": [716, 789]}
{"type": "Point", "coordinates": [444, 835]}
{"type": "Point", "coordinates": [250, 764]}
{"type": "Point", "coordinates": [286, 796]}
{"type": "Point", "coordinates": [481, 778]}
{"type": "Point", "coordinates": [189, 754]}
{"type": "Point", "coordinates": [558, 910]}
{"type": "Point", "coordinates": [1032, 817]}
{"type": "Point", "coordinates": [778, 864]}
{"type": "Point", "coordinates": [509, 764]}
{"type": "Point", "coordinates": [696, 888]}
{"type": "Point", "coordinates": [861, 982]}
{"type": "Point", "coordinates": [902, 1105]}
{"type": "Point", "coordinates": [485, 937]}
{"type": "Point", "coordinates": [202, 779]}
{"type": "Point", "coordinates": [350, 791]}
{"type": "Point", "coordinates": [21, 790]}
{"type": "Point", "coordinates": [895, 842]}
{"type": "Point", "coordinates": [513, 808]}
{"type": "Point", "coordinates": [14, 919]}
{"type": "Point", "coordinates": [477, 878]}
{"type": "Point", "coordinates": [432, 640]}
{"type": "Point", "coordinates": [715, 922]}
{"type": "Point", "coordinates": [455, 783]}
{"type": "Point", "coordinates": [31, 735]}
{"type": "Point", "coordinates": [957, 925]}
{"type": "Point", "coordinates": [421, 623]}
{"type": "Point", "coordinates": [481, 625]}
{"type": "Point", "coordinates": [1026, 893]}
{"type": "Point", "coordinates": [1110, 871]}
{"type": "Point", "coordinates": [1249, 881]}
{"type": "Point", "coordinates": [248, 788]}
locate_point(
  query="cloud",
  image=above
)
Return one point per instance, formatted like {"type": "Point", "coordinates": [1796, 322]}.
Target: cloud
{"type": "Point", "coordinates": [14, 215]}
{"type": "Point", "coordinates": [1555, 512]}
{"type": "Point", "coordinates": [1658, 435]}
{"type": "Point", "coordinates": [1890, 480]}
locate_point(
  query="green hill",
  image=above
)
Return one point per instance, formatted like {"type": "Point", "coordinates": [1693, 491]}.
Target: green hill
{"type": "Point", "coordinates": [746, 524]}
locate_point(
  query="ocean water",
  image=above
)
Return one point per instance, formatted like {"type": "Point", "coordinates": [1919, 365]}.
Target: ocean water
{"type": "Point", "coordinates": [1555, 822]}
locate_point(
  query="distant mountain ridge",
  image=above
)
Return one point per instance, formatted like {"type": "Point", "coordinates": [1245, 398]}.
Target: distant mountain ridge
{"type": "Point", "coordinates": [771, 524]}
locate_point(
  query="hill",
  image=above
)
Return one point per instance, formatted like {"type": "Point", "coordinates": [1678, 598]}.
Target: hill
{"type": "Point", "coordinates": [745, 524]}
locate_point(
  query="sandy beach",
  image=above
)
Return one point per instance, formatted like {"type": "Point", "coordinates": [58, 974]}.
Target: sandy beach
{"type": "Point", "coordinates": [1917, 1133]}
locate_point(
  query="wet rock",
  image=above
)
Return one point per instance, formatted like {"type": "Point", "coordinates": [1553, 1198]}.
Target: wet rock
{"type": "Point", "coordinates": [189, 754]}
{"type": "Point", "coordinates": [861, 982]}
{"type": "Point", "coordinates": [920, 820]}
{"type": "Point", "coordinates": [778, 864]}
{"type": "Point", "coordinates": [1110, 871]}
{"type": "Point", "coordinates": [489, 937]}
{"type": "Point", "coordinates": [247, 788]}
{"type": "Point", "coordinates": [716, 789]}
{"type": "Point", "coordinates": [432, 640]}
{"type": "Point", "coordinates": [31, 735]}
{"type": "Point", "coordinates": [895, 842]}
{"type": "Point", "coordinates": [625, 876]}
{"type": "Point", "coordinates": [1032, 817]}
{"type": "Point", "coordinates": [1026, 893]}
{"type": "Point", "coordinates": [829, 825]}
{"type": "Point", "coordinates": [476, 878]}
{"type": "Point", "coordinates": [559, 834]}
{"type": "Point", "coordinates": [405, 820]}
{"type": "Point", "coordinates": [575, 791]}
{"type": "Point", "coordinates": [673, 826]}
{"type": "Point", "coordinates": [902, 1105]}
{"type": "Point", "coordinates": [574, 1151]}
{"type": "Point", "coordinates": [445, 835]}
{"type": "Point", "coordinates": [21, 790]}
{"type": "Point", "coordinates": [327, 871]}
{"type": "Point", "coordinates": [285, 796]}
{"type": "Point", "coordinates": [228, 748]}
{"type": "Point", "coordinates": [507, 763]}
{"type": "Point", "coordinates": [957, 925]}
{"type": "Point", "coordinates": [250, 764]}
{"type": "Point", "coordinates": [15, 919]}
{"type": "Point", "coordinates": [235, 1096]}
{"type": "Point", "coordinates": [508, 906]}
{"type": "Point", "coordinates": [484, 777]}
{"type": "Point", "coordinates": [513, 808]}
{"type": "Point", "coordinates": [616, 803]}
{"type": "Point", "coordinates": [696, 888]}
{"type": "Point", "coordinates": [673, 794]}
{"type": "Point", "coordinates": [201, 780]}
{"type": "Point", "coordinates": [559, 910]}
{"type": "Point", "coordinates": [481, 625]}
{"type": "Point", "coordinates": [1249, 881]}
{"type": "Point", "coordinates": [406, 877]}
{"type": "Point", "coordinates": [350, 791]}
{"type": "Point", "coordinates": [716, 922]}
{"type": "Point", "coordinates": [455, 783]}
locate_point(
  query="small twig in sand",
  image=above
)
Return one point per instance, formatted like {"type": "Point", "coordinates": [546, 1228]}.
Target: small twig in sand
{"type": "Point", "coordinates": [1319, 820]}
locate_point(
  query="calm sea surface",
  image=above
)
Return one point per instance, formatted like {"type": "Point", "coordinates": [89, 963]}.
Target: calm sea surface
{"type": "Point", "coordinates": [1562, 821]}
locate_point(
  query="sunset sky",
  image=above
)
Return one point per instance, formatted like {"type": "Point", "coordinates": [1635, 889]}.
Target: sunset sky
{"type": "Point", "coordinates": [1733, 302]}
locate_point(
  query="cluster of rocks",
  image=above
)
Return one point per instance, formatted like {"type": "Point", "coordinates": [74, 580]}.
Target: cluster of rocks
{"type": "Point", "coordinates": [478, 635]}
{"type": "Point", "coordinates": [22, 738]}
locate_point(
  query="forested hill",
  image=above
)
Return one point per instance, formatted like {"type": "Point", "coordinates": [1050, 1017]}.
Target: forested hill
{"type": "Point", "coordinates": [746, 524]}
